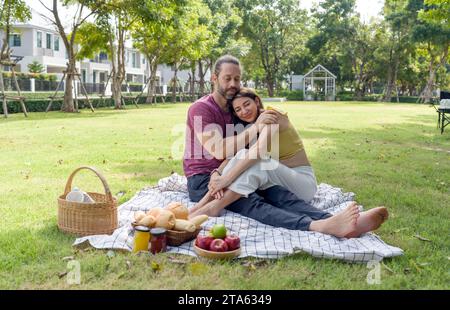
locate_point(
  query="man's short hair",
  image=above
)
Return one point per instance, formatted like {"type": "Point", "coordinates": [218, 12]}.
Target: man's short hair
{"type": "Point", "coordinates": [227, 59]}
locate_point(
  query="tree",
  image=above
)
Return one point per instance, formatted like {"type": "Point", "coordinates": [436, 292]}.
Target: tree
{"type": "Point", "coordinates": [35, 67]}
{"type": "Point", "coordinates": [226, 26]}
{"type": "Point", "coordinates": [432, 37]}
{"type": "Point", "coordinates": [436, 12]}
{"type": "Point", "coordinates": [272, 27]}
{"type": "Point", "coordinates": [11, 11]}
{"type": "Point", "coordinates": [335, 26]}
{"type": "Point", "coordinates": [69, 38]}
{"type": "Point", "coordinates": [396, 43]}
{"type": "Point", "coordinates": [189, 39]}
{"type": "Point", "coordinates": [152, 39]}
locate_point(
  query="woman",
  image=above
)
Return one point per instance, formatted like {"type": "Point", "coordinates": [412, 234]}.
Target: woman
{"type": "Point", "coordinates": [278, 157]}
{"type": "Point", "coordinates": [288, 167]}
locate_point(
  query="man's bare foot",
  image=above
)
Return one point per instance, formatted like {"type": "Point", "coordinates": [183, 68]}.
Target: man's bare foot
{"type": "Point", "coordinates": [339, 225]}
{"type": "Point", "coordinates": [368, 221]}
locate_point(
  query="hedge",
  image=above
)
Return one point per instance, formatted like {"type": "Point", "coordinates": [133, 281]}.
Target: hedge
{"type": "Point", "coordinates": [40, 105]}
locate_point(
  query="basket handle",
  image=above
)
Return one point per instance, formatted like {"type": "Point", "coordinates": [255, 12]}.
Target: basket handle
{"type": "Point", "coordinates": [100, 176]}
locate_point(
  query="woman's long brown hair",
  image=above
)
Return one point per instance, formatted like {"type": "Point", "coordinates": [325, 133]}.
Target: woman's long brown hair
{"type": "Point", "coordinates": [245, 93]}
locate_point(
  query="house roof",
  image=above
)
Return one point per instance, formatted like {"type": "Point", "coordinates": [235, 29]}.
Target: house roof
{"type": "Point", "coordinates": [320, 68]}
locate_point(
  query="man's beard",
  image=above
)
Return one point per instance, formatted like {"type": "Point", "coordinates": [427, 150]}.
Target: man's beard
{"type": "Point", "coordinates": [223, 92]}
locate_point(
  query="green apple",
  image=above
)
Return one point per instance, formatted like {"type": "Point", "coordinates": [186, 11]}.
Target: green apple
{"type": "Point", "coordinates": [219, 231]}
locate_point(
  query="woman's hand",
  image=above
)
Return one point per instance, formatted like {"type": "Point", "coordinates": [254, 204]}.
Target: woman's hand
{"type": "Point", "coordinates": [267, 117]}
{"type": "Point", "coordinates": [217, 184]}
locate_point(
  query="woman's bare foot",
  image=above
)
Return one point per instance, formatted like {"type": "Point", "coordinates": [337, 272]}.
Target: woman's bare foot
{"type": "Point", "coordinates": [368, 221]}
{"type": "Point", "coordinates": [339, 225]}
{"type": "Point", "coordinates": [211, 209]}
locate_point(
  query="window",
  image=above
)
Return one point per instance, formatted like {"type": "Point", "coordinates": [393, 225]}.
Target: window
{"type": "Point", "coordinates": [15, 40]}
{"type": "Point", "coordinates": [103, 56]}
{"type": "Point", "coordinates": [143, 60]}
{"type": "Point", "coordinates": [49, 41]}
{"type": "Point", "coordinates": [56, 43]}
{"type": "Point", "coordinates": [39, 39]}
{"type": "Point", "coordinates": [133, 59]}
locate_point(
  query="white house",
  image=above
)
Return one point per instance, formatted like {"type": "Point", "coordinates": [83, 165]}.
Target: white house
{"type": "Point", "coordinates": [36, 43]}
{"type": "Point", "coordinates": [44, 45]}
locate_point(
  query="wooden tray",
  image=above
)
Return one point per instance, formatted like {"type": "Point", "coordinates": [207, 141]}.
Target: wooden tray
{"type": "Point", "coordinates": [217, 255]}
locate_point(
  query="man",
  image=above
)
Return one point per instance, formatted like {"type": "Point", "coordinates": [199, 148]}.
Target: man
{"type": "Point", "coordinates": [208, 143]}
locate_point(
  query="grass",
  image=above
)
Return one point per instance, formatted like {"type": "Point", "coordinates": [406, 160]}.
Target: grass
{"type": "Point", "coordinates": [387, 154]}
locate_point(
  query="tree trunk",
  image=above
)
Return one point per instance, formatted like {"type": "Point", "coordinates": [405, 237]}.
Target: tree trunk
{"type": "Point", "coordinates": [117, 92]}
{"type": "Point", "coordinates": [175, 85]}
{"type": "Point", "coordinates": [192, 86]}
{"type": "Point", "coordinates": [68, 104]}
{"type": "Point", "coordinates": [201, 78]}
{"type": "Point", "coordinates": [427, 93]}
{"type": "Point", "coordinates": [151, 87]}
{"type": "Point", "coordinates": [391, 80]}
{"type": "Point", "coordinates": [270, 86]}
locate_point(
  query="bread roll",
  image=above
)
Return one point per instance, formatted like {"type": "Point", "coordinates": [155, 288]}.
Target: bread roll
{"type": "Point", "coordinates": [183, 225]}
{"type": "Point", "coordinates": [198, 220]}
{"type": "Point", "coordinates": [148, 221]}
{"type": "Point", "coordinates": [165, 219]}
{"type": "Point", "coordinates": [179, 210]}
{"type": "Point", "coordinates": [139, 215]}
{"type": "Point", "coordinates": [154, 212]}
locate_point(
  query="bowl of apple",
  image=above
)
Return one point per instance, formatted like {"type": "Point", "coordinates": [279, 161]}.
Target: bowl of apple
{"type": "Point", "coordinates": [218, 244]}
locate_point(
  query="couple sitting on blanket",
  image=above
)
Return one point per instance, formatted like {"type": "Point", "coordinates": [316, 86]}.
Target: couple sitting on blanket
{"type": "Point", "coordinates": [231, 162]}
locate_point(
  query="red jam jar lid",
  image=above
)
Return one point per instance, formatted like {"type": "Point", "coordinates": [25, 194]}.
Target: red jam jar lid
{"type": "Point", "coordinates": [157, 231]}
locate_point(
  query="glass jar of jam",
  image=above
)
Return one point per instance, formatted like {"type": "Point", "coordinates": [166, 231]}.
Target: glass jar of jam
{"type": "Point", "coordinates": [158, 242]}
{"type": "Point", "coordinates": [141, 239]}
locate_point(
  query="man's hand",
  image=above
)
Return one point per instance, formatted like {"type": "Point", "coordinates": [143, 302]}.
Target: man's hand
{"type": "Point", "coordinates": [268, 117]}
{"type": "Point", "coordinates": [217, 184]}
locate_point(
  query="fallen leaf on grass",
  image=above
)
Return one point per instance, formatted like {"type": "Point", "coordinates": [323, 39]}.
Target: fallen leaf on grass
{"type": "Point", "coordinates": [424, 264]}
{"type": "Point", "coordinates": [401, 229]}
{"type": "Point", "coordinates": [197, 268]}
{"type": "Point", "coordinates": [415, 265]}
{"type": "Point", "coordinates": [68, 258]}
{"type": "Point", "coordinates": [128, 264]}
{"type": "Point", "coordinates": [387, 268]}
{"type": "Point", "coordinates": [155, 267]}
{"type": "Point", "coordinates": [260, 263]}
{"type": "Point", "coordinates": [177, 261]}
{"type": "Point", "coordinates": [120, 194]}
{"type": "Point", "coordinates": [422, 238]}
{"type": "Point", "coordinates": [62, 274]}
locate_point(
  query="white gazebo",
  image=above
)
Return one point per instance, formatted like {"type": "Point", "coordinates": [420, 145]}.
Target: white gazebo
{"type": "Point", "coordinates": [327, 88]}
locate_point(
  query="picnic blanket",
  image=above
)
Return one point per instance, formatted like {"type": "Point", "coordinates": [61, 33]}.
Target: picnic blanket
{"type": "Point", "coordinates": [257, 239]}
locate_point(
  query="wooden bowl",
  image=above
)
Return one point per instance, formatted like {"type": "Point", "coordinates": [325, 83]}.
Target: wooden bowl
{"type": "Point", "coordinates": [217, 255]}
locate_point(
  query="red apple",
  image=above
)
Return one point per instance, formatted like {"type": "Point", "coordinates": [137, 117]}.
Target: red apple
{"type": "Point", "coordinates": [233, 242]}
{"type": "Point", "coordinates": [204, 242]}
{"type": "Point", "coordinates": [218, 245]}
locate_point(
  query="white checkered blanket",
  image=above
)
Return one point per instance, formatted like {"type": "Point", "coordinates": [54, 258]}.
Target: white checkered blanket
{"type": "Point", "coordinates": [257, 239]}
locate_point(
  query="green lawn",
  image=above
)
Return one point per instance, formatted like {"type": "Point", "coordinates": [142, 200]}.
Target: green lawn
{"type": "Point", "coordinates": [387, 154]}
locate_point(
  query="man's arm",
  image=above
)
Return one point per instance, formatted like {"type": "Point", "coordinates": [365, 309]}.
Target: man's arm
{"type": "Point", "coordinates": [256, 152]}
{"type": "Point", "coordinates": [221, 148]}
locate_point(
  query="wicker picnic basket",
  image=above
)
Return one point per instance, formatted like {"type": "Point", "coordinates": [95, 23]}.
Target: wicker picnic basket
{"type": "Point", "coordinates": [85, 219]}
{"type": "Point", "coordinates": [176, 238]}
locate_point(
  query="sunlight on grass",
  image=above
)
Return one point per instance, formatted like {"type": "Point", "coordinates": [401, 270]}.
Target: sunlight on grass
{"type": "Point", "coordinates": [387, 154]}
